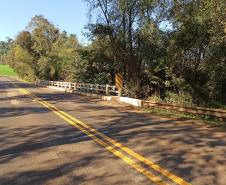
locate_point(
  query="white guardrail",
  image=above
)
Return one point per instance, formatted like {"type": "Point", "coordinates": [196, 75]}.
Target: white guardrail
{"type": "Point", "coordinates": [95, 88]}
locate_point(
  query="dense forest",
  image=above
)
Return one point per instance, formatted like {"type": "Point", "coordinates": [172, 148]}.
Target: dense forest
{"type": "Point", "coordinates": [167, 50]}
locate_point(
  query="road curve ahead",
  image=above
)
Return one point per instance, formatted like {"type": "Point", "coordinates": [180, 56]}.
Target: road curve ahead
{"type": "Point", "coordinates": [50, 137]}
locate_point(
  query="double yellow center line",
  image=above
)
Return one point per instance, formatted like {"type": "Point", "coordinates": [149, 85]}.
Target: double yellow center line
{"type": "Point", "coordinates": [132, 158]}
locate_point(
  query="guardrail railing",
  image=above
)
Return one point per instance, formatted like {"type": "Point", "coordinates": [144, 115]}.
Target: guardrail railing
{"type": "Point", "coordinates": [219, 113]}
{"type": "Point", "coordinates": [108, 89]}
{"type": "Point", "coordinates": [83, 87]}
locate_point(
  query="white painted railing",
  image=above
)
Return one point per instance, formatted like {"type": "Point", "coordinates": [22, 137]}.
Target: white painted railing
{"type": "Point", "coordinates": [102, 89]}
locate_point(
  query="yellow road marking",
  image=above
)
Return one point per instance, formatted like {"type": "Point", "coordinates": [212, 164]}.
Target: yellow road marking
{"type": "Point", "coordinates": [117, 153]}
{"type": "Point", "coordinates": [80, 125]}
{"type": "Point", "coordinates": [139, 157]}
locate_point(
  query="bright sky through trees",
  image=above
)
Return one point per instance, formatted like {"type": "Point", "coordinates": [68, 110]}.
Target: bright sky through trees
{"type": "Point", "coordinates": [69, 15]}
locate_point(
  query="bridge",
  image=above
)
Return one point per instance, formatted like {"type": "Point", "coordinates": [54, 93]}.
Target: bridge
{"type": "Point", "coordinates": [48, 136]}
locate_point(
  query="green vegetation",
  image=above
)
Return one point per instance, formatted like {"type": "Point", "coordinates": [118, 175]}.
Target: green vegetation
{"type": "Point", "coordinates": [5, 70]}
{"type": "Point", "coordinates": [4, 48]}
{"type": "Point", "coordinates": [172, 51]}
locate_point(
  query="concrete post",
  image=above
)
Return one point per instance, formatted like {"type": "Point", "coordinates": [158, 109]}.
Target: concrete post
{"type": "Point", "coordinates": [96, 88]}
{"type": "Point", "coordinates": [107, 90]}
{"type": "Point", "coordinates": [119, 92]}
{"type": "Point", "coordinates": [36, 81]}
{"type": "Point", "coordinates": [69, 86]}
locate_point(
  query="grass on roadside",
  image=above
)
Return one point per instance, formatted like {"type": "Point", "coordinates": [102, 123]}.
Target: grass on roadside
{"type": "Point", "coordinates": [5, 70]}
{"type": "Point", "coordinates": [188, 116]}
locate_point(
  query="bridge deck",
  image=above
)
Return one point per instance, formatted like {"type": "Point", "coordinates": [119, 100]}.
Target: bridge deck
{"type": "Point", "coordinates": [39, 146]}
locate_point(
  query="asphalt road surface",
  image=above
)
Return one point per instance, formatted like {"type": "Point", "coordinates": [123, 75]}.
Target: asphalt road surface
{"type": "Point", "coordinates": [49, 137]}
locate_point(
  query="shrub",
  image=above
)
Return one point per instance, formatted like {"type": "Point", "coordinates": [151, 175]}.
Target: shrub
{"type": "Point", "coordinates": [181, 98]}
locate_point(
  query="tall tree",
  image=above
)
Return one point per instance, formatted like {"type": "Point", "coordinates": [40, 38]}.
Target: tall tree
{"type": "Point", "coordinates": [4, 48]}
{"type": "Point", "coordinates": [123, 23]}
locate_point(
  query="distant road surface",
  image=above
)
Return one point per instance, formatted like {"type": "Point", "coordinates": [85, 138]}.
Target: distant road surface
{"type": "Point", "coordinates": [49, 137]}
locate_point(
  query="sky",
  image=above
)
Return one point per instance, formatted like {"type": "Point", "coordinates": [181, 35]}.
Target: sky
{"type": "Point", "coordinates": [68, 15]}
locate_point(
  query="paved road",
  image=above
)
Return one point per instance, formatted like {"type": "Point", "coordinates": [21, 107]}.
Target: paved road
{"type": "Point", "coordinates": [40, 144]}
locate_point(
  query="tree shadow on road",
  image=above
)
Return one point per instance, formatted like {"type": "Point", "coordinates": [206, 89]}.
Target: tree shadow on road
{"type": "Point", "coordinates": [53, 154]}
{"type": "Point", "coordinates": [190, 149]}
